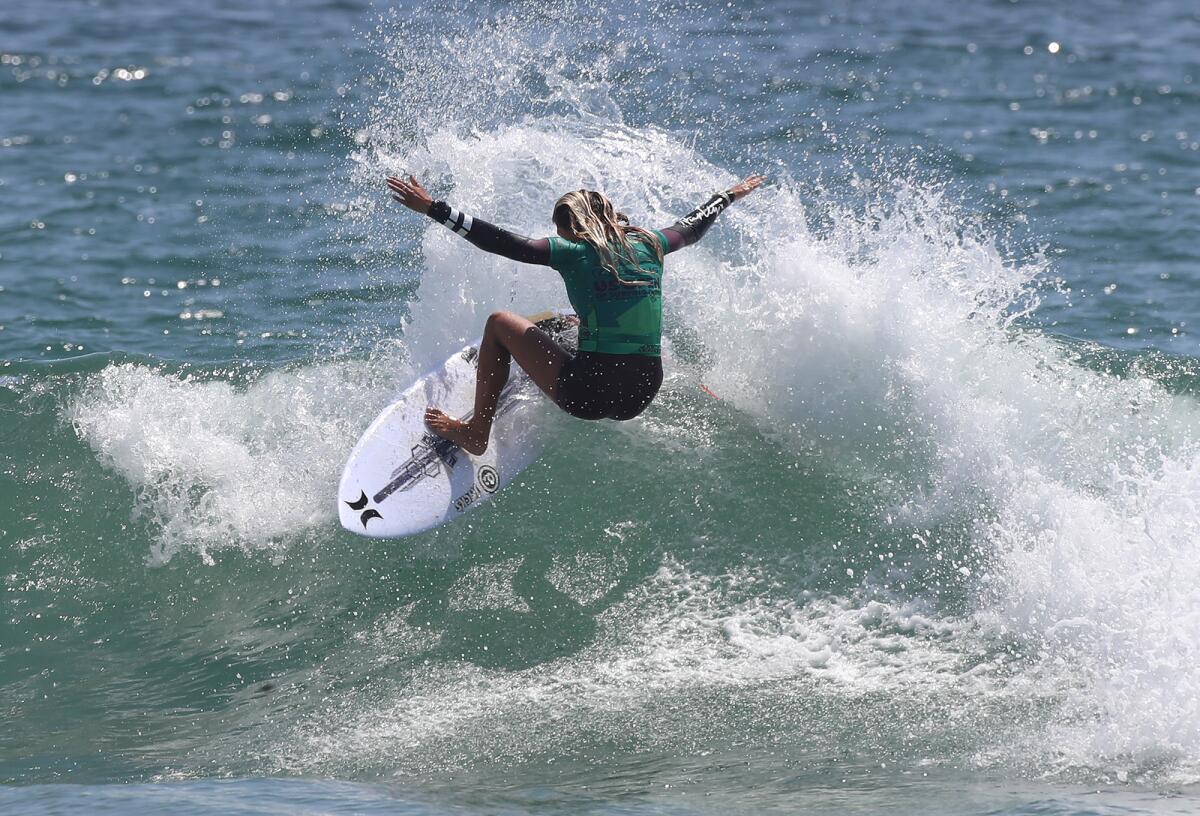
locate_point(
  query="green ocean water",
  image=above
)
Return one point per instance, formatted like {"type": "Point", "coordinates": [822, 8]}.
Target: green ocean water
{"type": "Point", "coordinates": [932, 549]}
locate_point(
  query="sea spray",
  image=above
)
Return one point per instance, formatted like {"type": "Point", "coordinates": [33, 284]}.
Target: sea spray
{"type": "Point", "coordinates": [222, 465]}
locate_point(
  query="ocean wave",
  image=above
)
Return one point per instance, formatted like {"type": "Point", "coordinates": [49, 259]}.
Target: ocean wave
{"type": "Point", "coordinates": [1006, 578]}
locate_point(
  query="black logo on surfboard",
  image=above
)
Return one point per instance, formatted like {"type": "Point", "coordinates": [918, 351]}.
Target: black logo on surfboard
{"type": "Point", "coordinates": [489, 480]}
{"type": "Point", "coordinates": [359, 504]}
{"type": "Point", "coordinates": [428, 457]}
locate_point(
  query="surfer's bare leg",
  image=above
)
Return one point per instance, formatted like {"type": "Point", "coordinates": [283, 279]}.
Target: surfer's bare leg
{"type": "Point", "coordinates": [506, 335]}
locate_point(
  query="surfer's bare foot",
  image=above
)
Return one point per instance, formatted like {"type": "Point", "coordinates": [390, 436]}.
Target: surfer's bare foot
{"type": "Point", "coordinates": [459, 432]}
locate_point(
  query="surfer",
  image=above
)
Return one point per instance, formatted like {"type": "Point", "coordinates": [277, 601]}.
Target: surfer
{"type": "Point", "coordinates": [613, 273]}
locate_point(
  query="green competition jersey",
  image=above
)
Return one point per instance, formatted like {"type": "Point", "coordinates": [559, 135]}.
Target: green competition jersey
{"type": "Point", "coordinates": [614, 318]}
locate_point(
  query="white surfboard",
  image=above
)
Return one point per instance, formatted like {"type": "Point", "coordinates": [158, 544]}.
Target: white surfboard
{"type": "Point", "coordinates": [401, 479]}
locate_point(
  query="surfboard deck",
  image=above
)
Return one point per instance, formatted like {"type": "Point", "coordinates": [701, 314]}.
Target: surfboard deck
{"type": "Point", "coordinates": [400, 479]}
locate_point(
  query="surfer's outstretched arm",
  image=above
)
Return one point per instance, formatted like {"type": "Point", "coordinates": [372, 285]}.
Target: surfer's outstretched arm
{"type": "Point", "coordinates": [691, 228]}
{"type": "Point", "coordinates": [491, 238]}
{"type": "Point", "coordinates": [487, 237]}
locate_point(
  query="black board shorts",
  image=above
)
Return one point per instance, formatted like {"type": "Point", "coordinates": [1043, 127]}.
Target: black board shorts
{"type": "Point", "coordinates": [594, 385]}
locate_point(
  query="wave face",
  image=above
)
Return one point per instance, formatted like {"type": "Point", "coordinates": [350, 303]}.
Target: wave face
{"type": "Point", "coordinates": [921, 527]}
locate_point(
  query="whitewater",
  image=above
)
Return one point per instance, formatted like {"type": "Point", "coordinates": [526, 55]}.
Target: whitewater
{"type": "Point", "coordinates": [933, 548]}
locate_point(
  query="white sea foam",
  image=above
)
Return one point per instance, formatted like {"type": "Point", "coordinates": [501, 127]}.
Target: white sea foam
{"type": "Point", "coordinates": [222, 465]}
{"type": "Point", "coordinates": [683, 634]}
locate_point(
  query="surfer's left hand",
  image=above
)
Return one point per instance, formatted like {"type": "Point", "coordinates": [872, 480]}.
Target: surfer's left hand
{"type": "Point", "coordinates": [410, 193]}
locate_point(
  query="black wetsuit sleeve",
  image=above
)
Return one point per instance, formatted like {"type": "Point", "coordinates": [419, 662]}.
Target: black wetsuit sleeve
{"type": "Point", "coordinates": [691, 228]}
{"type": "Point", "coordinates": [491, 238]}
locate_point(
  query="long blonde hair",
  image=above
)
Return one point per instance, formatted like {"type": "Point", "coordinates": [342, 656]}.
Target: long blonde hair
{"type": "Point", "coordinates": [591, 218]}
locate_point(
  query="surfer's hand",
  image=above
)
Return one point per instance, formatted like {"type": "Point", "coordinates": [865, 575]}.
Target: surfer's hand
{"type": "Point", "coordinates": [410, 193]}
{"type": "Point", "coordinates": [746, 187]}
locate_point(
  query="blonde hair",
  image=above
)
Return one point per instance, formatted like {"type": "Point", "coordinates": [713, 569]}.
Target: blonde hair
{"type": "Point", "coordinates": [591, 218]}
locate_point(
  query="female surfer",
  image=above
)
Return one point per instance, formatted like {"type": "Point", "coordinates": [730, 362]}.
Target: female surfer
{"type": "Point", "coordinates": [613, 273]}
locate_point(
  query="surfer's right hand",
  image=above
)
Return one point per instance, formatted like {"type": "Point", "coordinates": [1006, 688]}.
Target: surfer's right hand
{"type": "Point", "coordinates": [410, 193]}
{"type": "Point", "coordinates": [747, 186]}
